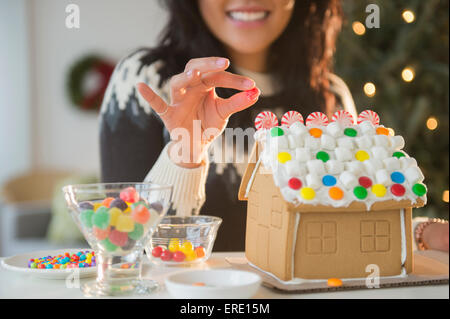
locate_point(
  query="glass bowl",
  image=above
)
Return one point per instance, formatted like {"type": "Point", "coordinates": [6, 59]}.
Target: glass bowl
{"type": "Point", "coordinates": [118, 220]}
{"type": "Point", "coordinates": [183, 240]}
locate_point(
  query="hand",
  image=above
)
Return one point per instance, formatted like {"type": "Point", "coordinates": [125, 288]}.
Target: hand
{"type": "Point", "coordinates": [193, 97]}
{"type": "Point", "coordinates": [435, 236]}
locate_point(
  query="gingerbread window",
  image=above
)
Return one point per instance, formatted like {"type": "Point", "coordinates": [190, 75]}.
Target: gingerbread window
{"type": "Point", "coordinates": [375, 236]}
{"type": "Point", "coordinates": [321, 238]}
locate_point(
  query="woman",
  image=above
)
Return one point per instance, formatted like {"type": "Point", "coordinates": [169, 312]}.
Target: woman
{"type": "Point", "coordinates": [277, 55]}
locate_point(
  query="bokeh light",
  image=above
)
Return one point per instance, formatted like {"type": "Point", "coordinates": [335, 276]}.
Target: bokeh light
{"type": "Point", "coordinates": [408, 16]}
{"type": "Point", "coordinates": [369, 89]}
{"type": "Point", "coordinates": [358, 28]}
{"type": "Point", "coordinates": [408, 74]}
{"type": "Point", "coordinates": [445, 196]}
{"type": "Point", "coordinates": [432, 123]}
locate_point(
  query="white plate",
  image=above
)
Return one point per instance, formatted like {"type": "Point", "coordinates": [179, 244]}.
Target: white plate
{"type": "Point", "coordinates": [19, 263]}
{"type": "Point", "coordinates": [217, 283]}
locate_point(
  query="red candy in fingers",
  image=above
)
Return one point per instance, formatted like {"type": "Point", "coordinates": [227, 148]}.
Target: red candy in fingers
{"type": "Point", "coordinates": [253, 93]}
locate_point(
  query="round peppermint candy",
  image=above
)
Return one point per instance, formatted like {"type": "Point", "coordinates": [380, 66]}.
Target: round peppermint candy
{"type": "Point", "coordinates": [369, 115]}
{"type": "Point", "coordinates": [290, 118]}
{"type": "Point", "coordinates": [317, 118]}
{"type": "Point", "coordinates": [266, 120]}
{"type": "Point", "coordinates": [343, 117]}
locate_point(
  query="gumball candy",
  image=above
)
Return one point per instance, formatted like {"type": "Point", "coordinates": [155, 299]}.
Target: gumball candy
{"type": "Point", "coordinates": [295, 183]}
{"type": "Point", "coordinates": [86, 217]}
{"type": "Point", "coordinates": [200, 252]}
{"type": "Point", "coordinates": [101, 234]}
{"type": "Point", "coordinates": [157, 251]}
{"type": "Point", "coordinates": [101, 219]}
{"type": "Point", "coordinates": [107, 201]}
{"type": "Point", "coordinates": [137, 232]}
{"type": "Point", "coordinates": [124, 223]}
{"type": "Point", "coordinates": [119, 203]}
{"type": "Point", "coordinates": [174, 245]}
{"type": "Point", "coordinates": [290, 118]}
{"type": "Point", "coordinates": [369, 115]}
{"type": "Point", "coordinates": [129, 195]}
{"type": "Point", "coordinates": [344, 118]}
{"type": "Point", "coordinates": [118, 238]}
{"type": "Point", "coordinates": [266, 120]}
{"type": "Point", "coordinates": [166, 255]}
{"type": "Point", "coordinates": [141, 214]}
{"type": "Point", "coordinates": [317, 118]}
{"type": "Point", "coordinates": [187, 248]}
{"type": "Point", "coordinates": [178, 256]}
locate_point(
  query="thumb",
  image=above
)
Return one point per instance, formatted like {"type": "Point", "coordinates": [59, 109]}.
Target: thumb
{"type": "Point", "coordinates": [237, 102]}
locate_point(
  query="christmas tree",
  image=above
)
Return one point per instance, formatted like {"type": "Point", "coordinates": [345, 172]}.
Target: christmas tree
{"type": "Point", "coordinates": [400, 70]}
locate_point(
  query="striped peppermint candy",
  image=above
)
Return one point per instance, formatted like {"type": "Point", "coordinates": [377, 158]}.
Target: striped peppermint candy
{"type": "Point", "coordinates": [343, 117]}
{"type": "Point", "coordinates": [290, 118]}
{"type": "Point", "coordinates": [317, 118]}
{"type": "Point", "coordinates": [369, 115]}
{"type": "Point", "coordinates": [266, 120]}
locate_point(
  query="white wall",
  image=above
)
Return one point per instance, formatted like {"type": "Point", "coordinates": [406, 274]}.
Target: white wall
{"type": "Point", "coordinates": [65, 137]}
{"type": "Point", "coordinates": [14, 87]}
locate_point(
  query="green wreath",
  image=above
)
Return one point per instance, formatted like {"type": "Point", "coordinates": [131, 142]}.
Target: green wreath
{"type": "Point", "coordinates": [77, 76]}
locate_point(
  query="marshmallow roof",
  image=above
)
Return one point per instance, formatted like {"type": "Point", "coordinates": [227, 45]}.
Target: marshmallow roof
{"type": "Point", "coordinates": [339, 163]}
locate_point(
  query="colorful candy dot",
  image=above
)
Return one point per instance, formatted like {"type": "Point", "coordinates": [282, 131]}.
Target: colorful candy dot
{"type": "Point", "coordinates": [315, 132]}
{"type": "Point", "coordinates": [362, 156]}
{"type": "Point", "coordinates": [398, 190]}
{"type": "Point", "coordinates": [397, 177]}
{"type": "Point", "coordinates": [276, 131]}
{"type": "Point", "coordinates": [284, 157]}
{"type": "Point", "coordinates": [323, 156]}
{"type": "Point", "coordinates": [307, 193]}
{"type": "Point", "coordinates": [329, 180]}
{"type": "Point", "coordinates": [334, 282]}
{"type": "Point", "coordinates": [419, 189]}
{"type": "Point", "coordinates": [365, 181]}
{"type": "Point", "coordinates": [382, 131]}
{"type": "Point", "coordinates": [350, 132]}
{"type": "Point", "coordinates": [360, 192]}
{"type": "Point", "coordinates": [295, 183]}
{"type": "Point", "coordinates": [398, 154]}
{"type": "Point", "coordinates": [336, 193]}
{"type": "Point", "coordinates": [379, 190]}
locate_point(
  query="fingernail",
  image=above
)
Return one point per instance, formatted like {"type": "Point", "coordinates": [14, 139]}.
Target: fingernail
{"type": "Point", "coordinates": [249, 83]}
{"type": "Point", "coordinates": [221, 62]}
{"type": "Point", "coordinates": [253, 93]}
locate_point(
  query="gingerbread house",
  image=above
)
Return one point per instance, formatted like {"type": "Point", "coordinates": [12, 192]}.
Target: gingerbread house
{"type": "Point", "coordinates": [330, 199]}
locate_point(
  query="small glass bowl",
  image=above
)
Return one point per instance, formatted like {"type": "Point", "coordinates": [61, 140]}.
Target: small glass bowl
{"type": "Point", "coordinates": [183, 240]}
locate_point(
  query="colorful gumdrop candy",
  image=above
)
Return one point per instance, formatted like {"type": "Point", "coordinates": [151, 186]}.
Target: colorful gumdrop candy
{"type": "Point", "coordinates": [200, 252]}
{"type": "Point", "coordinates": [317, 118]}
{"type": "Point", "coordinates": [129, 195]}
{"type": "Point", "coordinates": [141, 214]}
{"type": "Point", "coordinates": [137, 232]}
{"type": "Point", "coordinates": [108, 245]}
{"type": "Point", "coordinates": [343, 117]}
{"type": "Point", "coordinates": [178, 256]}
{"type": "Point", "coordinates": [101, 219]}
{"type": "Point", "coordinates": [118, 238]}
{"type": "Point", "coordinates": [266, 120]}
{"type": "Point", "coordinates": [114, 213]}
{"type": "Point", "coordinates": [369, 115]}
{"type": "Point", "coordinates": [101, 234]}
{"type": "Point", "coordinates": [290, 118]}
{"type": "Point", "coordinates": [86, 217]}
{"type": "Point", "coordinates": [118, 203]}
{"type": "Point", "coordinates": [124, 223]}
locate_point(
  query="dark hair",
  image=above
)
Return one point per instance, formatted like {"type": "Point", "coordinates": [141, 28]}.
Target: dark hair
{"type": "Point", "coordinates": [299, 59]}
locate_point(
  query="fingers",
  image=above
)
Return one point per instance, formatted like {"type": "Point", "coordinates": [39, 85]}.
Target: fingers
{"type": "Point", "coordinates": [238, 102]}
{"type": "Point", "coordinates": [180, 82]}
{"type": "Point", "coordinates": [156, 103]}
{"type": "Point", "coordinates": [228, 80]}
{"type": "Point", "coordinates": [205, 65]}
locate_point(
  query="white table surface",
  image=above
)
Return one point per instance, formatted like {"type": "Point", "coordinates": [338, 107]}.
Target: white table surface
{"type": "Point", "coordinates": [16, 285]}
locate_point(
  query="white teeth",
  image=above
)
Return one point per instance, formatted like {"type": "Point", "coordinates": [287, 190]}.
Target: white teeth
{"type": "Point", "coordinates": [247, 16]}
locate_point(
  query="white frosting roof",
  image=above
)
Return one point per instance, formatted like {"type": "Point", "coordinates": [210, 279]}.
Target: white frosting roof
{"type": "Point", "coordinates": [335, 165]}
